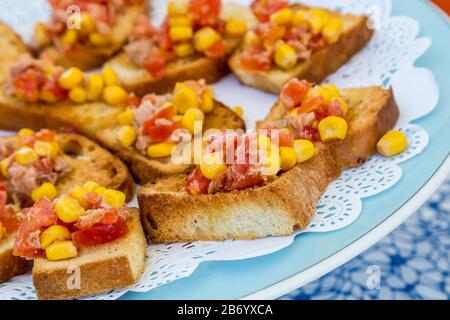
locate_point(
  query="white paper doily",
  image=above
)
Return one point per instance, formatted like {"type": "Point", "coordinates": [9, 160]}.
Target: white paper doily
{"type": "Point", "coordinates": [387, 60]}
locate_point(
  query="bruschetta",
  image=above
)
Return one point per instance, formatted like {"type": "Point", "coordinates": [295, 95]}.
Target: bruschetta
{"type": "Point", "coordinates": [84, 242]}
{"type": "Point", "coordinates": [145, 135]}
{"type": "Point", "coordinates": [296, 42]}
{"type": "Point", "coordinates": [271, 183]}
{"type": "Point", "coordinates": [85, 33]}
{"type": "Point", "coordinates": [194, 42]}
{"type": "Point", "coordinates": [45, 163]}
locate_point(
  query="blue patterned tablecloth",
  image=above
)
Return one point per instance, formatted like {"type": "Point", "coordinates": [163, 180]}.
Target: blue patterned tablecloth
{"type": "Point", "coordinates": [413, 262]}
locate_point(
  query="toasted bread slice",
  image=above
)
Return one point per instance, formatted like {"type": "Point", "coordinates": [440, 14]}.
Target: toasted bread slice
{"type": "Point", "coordinates": [145, 169]}
{"type": "Point", "coordinates": [10, 265]}
{"type": "Point", "coordinates": [90, 162]}
{"type": "Point", "coordinates": [356, 34]}
{"type": "Point", "coordinates": [279, 207]}
{"type": "Point", "coordinates": [96, 269]}
{"type": "Point", "coordinates": [15, 114]}
{"type": "Point", "coordinates": [88, 57]}
{"type": "Point", "coordinates": [136, 79]}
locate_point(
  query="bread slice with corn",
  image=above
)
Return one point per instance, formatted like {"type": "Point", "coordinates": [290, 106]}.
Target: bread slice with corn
{"type": "Point", "coordinates": [345, 34]}
{"type": "Point", "coordinates": [87, 117]}
{"type": "Point", "coordinates": [94, 55]}
{"type": "Point", "coordinates": [91, 270]}
{"type": "Point", "coordinates": [187, 67]}
{"type": "Point", "coordinates": [279, 207]}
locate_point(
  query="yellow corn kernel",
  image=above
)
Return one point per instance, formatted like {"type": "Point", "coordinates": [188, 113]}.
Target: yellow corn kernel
{"type": "Point", "coordinates": [183, 50]}
{"type": "Point", "coordinates": [282, 17]}
{"type": "Point", "coordinates": [288, 158]}
{"type": "Point", "coordinates": [87, 23]}
{"type": "Point", "coordinates": [61, 250]}
{"type": "Point", "coordinates": [78, 94]}
{"type": "Point", "coordinates": [182, 33]}
{"type": "Point", "coordinates": [285, 56]}
{"type": "Point", "coordinates": [160, 150]}
{"type": "Point", "coordinates": [181, 21]}
{"type": "Point", "coordinates": [2, 231]}
{"type": "Point", "coordinates": [79, 193]}
{"type": "Point", "coordinates": [99, 40]}
{"type": "Point", "coordinates": [238, 110]}
{"type": "Point", "coordinates": [90, 186]}
{"type": "Point", "coordinates": [41, 35]}
{"type": "Point", "coordinates": [53, 234]}
{"type": "Point", "coordinates": [317, 19]}
{"type": "Point", "coordinates": [71, 78]}
{"type": "Point", "coordinates": [47, 96]}
{"type": "Point", "coordinates": [126, 117]}
{"type": "Point", "coordinates": [126, 136]}
{"type": "Point", "coordinates": [110, 77]}
{"type": "Point", "coordinates": [46, 189]}
{"type": "Point", "coordinates": [193, 120]}
{"type": "Point", "coordinates": [25, 155]}
{"type": "Point", "coordinates": [333, 89]}
{"type": "Point", "coordinates": [185, 98]}
{"type": "Point", "coordinates": [272, 163]}
{"type": "Point", "coordinates": [114, 198]}
{"type": "Point", "coordinates": [69, 37]}
{"type": "Point", "coordinates": [333, 128]}
{"type": "Point", "coordinates": [304, 150]}
{"type": "Point", "coordinates": [265, 143]}
{"type": "Point", "coordinates": [4, 165]}
{"type": "Point", "coordinates": [23, 134]}
{"type": "Point", "coordinates": [343, 105]}
{"type": "Point", "coordinates": [100, 190]}
{"type": "Point", "coordinates": [95, 84]}
{"type": "Point", "coordinates": [392, 143]}
{"type": "Point", "coordinates": [208, 102]}
{"type": "Point", "coordinates": [68, 209]}
{"type": "Point", "coordinates": [47, 149]}
{"type": "Point", "coordinates": [319, 91]}
{"type": "Point", "coordinates": [212, 165]}
{"type": "Point", "coordinates": [236, 27]}
{"type": "Point", "coordinates": [333, 30]}
{"type": "Point", "coordinates": [178, 8]}
{"type": "Point", "coordinates": [251, 38]}
{"type": "Point", "coordinates": [299, 17]}
{"type": "Point", "coordinates": [115, 95]}
{"type": "Point", "coordinates": [178, 118]}
{"type": "Point", "coordinates": [205, 38]}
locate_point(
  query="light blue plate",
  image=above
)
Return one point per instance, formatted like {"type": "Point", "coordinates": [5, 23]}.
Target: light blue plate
{"type": "Point", "coordinates": [235, 279]}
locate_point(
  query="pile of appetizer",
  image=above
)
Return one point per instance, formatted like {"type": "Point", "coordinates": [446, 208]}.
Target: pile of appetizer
{"type": "Point", "coordinates": [150, 116]}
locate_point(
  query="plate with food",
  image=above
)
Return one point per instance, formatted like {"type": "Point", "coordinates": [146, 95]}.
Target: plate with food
{"type": "Point", "coordinates": [192, 149]}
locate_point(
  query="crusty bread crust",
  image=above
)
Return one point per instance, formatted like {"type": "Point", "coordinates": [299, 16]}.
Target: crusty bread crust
{"type": "Point", "coordinates": [145, 169]}
{"type": "Point", "coordinates": [136, 79]}
{"type": "Point", "coordinates": [10, 265]}
{"type": "Point", "coordinates": [101, 268]}
{"type": "Point", "coordinates": [88, 57]}
{"type": "Point", "coordinates": [281, 206]}
{"type": "Point", "coordinates": [90, 162]}
{"type": "Point", "coordinates": [322, 63]}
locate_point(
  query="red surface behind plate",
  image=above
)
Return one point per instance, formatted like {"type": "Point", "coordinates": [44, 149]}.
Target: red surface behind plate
{"type": "Point", "coordinates": [444, 4]}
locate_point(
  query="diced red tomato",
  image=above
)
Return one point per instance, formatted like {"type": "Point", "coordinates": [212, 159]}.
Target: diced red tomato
{"type": "Point", "coordinates": [255, 59]}
{"type": "Point", "coordinates": [8, 216]}
{"type": "Point", "coordinates": [41, 215]}
{"type": "Point", "coordinates": [104, 216]}
{"type": "Point", "coordinates": [309, 133]}
{"type": "Point", "coordinates": [157, 130]}
{"type": "Point", "coordinates": [143, 28]}
{"type": "Point", "coordinates": [283, 137]}
{"type": "Point", "coordinates": [262, 9]}
{"type": "Point", "coordinates": [162, 36]}
{"type": "Point", "coordinates": [156, 63]}
{"type": "Point", "coordinates": [42, 135]}
{"type": "Point", "coordinates": [237, 180]}
{"type": "Point", "coordinates": [100, 233]}
{"type": "Point", "coordinates": [270, 33]}
{"type": "Point", "coordinates": [197, 183]}
{"type": "Point", "coordinates": [316, 104]}
{"type": "Point", "coordinates": [52, 86]}
{"type": "Point", "coordinates": [294, 92]}
{"type": "Point", "coordinates": [205, 12]}
{"type": "Point", "coordinates": [27, 84]}
{"type": "Point", "coordinates": [134, 101]}
{"type": "Point", "coordinates": [217, 50]}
